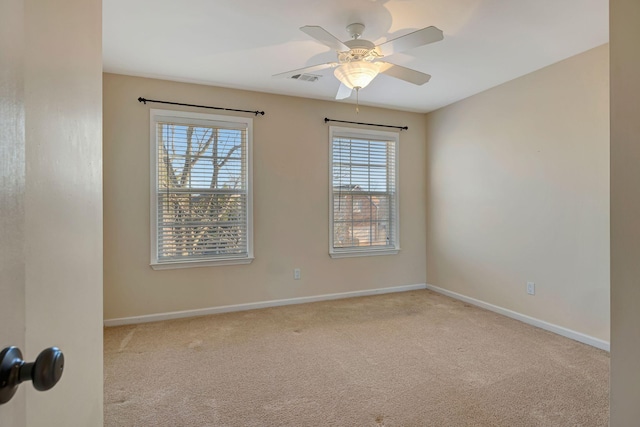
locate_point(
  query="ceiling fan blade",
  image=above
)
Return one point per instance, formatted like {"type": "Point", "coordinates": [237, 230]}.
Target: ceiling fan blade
{"type": "Point", "coordinates": [343, 91]}
{"type": "Point", "coordinates": [324, 37]}
{"type": "Point", "coordinates": [403, 73]}
{"type": "Point", "coordinates": [411, 40]}
{"type": "Point", "coordinates": [289, 74]}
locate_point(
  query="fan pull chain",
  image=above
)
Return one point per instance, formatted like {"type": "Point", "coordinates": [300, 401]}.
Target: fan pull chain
{"type": "Point", "coordinates": [357, 100]}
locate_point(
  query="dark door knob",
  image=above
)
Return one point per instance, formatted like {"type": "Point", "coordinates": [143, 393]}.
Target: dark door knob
{"type": "Point", "coordinates": [45, 372]}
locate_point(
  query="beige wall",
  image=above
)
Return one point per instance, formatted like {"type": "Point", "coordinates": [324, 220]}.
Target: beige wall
{"type": "Point", "coordinates": [519, 191]}
{"type": "Point", "coordinates": [291, 199]}
{"type": "Point", "coordinates": [63, 205]}
{"type": "Point", "coordinates": [625, 212]}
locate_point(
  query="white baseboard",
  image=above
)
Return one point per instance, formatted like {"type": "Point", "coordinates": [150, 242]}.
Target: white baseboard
{"type": "Point", "coordinates": [256, 305]}
{"type": "Point", "coordinates": [577, 336]}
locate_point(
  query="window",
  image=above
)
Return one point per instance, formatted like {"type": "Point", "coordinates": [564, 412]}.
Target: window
{"type": "Point", "coordinates": [363, 200]}
{"type": "Point", "coordinates": [201, 195]}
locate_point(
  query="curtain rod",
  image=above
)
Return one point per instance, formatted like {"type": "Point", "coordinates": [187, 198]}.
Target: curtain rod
{"type": "Point", "coordinates": [368, 124]}
{"type": "Point", "coordinates": [144, 101]}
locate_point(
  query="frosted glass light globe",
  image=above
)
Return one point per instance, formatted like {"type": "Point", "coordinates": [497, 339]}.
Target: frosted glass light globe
{"type": "Point", "coordinates": [357, 74]}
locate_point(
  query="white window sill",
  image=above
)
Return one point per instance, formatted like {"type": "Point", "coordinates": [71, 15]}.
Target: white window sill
{"type": "Point", "coordinates": [207, 263]}
{"type": "Point", "coordinates": [359, 253]}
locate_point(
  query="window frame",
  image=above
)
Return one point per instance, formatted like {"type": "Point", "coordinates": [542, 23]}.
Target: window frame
{"type": "Point", "coordinates": [376, 135]}
{"type": "Point", "coordinates": [188, 117]}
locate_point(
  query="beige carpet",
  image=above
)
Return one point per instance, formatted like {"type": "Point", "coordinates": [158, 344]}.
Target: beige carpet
{"type": "Point", "coordinates": [407, 359]}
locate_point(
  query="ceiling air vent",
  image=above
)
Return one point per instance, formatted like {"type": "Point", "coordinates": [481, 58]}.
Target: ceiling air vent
{"type": "Point", "coordinates": [306, 77]}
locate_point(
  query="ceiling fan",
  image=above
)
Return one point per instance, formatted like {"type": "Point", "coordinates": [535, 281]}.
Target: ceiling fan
{"type": "Point", "coordinates": [360, 61]}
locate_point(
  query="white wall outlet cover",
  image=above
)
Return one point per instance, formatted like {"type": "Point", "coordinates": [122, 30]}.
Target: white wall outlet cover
{"type": "Point", "coordinates": [531, 288]}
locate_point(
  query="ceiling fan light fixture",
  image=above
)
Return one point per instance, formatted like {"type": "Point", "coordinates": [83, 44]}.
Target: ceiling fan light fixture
{"type": "Point", "coordinates": [357, 74]}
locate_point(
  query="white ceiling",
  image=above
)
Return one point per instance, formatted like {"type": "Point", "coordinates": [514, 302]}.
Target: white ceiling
{"type": "Point", "coordinates": [242, 43]}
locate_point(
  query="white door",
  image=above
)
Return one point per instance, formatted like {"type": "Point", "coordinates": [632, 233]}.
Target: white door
{"type": "Point", "coordinates": [51, 203]}
{"type": "Point", "coordinates": [12, 274]}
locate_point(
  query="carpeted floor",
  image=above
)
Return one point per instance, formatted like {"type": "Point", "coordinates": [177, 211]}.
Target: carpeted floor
{"type": "Point", "coordinates": [406, 359]}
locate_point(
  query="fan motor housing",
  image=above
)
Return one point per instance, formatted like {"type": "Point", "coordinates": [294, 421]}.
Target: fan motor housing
{"type": "Point", "coordinates": [359, 50]}
{"type": "Point", "coordinates": [359, 44]}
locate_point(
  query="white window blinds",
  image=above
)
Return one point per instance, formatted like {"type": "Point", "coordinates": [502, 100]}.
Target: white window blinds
{"type": "Point", "coordinates": [364, 218]}
{"type": "Point", "coordinates": [202, 188]}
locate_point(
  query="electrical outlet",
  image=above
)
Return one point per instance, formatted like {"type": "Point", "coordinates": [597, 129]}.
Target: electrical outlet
{"type": "Point", "coordinates": [296, 274]}
{"type": "Point", "coordinates": [531, 288]}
